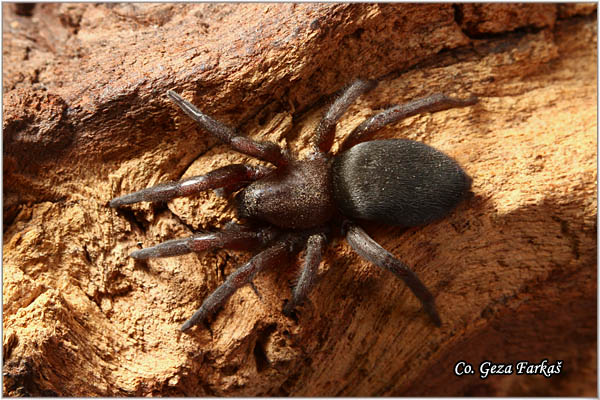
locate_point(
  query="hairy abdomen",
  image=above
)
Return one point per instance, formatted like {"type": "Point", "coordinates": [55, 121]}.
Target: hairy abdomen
{"type": "Point", "coordinates": [398, 182]}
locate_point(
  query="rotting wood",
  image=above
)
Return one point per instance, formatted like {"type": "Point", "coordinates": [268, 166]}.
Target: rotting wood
{"type": "Point", "coordinates": [86, 119]}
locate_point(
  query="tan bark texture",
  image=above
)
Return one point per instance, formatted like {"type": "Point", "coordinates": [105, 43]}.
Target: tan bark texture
{"type": "Point", "coordinates": [86, 119]}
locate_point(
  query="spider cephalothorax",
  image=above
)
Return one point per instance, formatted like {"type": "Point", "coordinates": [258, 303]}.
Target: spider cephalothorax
{"type": "Point", "coordinates": [293, 205]}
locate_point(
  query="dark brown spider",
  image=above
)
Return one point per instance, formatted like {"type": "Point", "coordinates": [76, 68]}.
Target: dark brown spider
{"type": "Point", "coordinates": [290, 207]}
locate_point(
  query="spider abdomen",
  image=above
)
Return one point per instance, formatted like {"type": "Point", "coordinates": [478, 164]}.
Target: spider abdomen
{"type": "Point", "coordinates": [398, 182]}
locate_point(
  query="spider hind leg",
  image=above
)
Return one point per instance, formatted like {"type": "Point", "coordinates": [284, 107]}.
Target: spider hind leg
{"type": "Point", "coordinates": [433, 103]}
{"type": "Point", "coordinates": [312, 258]}
{"type": "Point", "coordinates": [369, 249]}
{"type": "Point", "coordinates": [325, 132]}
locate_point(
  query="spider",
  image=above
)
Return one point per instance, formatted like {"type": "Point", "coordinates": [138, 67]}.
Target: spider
{"type": "Point", "coordinates": [292, 205]}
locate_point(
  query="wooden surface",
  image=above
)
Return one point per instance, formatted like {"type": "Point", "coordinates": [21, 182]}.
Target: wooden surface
{"type": "Point", "coordinates": [86, 119]}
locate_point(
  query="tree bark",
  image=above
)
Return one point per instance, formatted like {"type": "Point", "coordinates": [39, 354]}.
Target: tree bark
{"type": "Point", "coordinates": [86, 119]}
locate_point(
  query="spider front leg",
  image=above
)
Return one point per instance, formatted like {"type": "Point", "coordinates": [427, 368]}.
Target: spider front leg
{"type": "Point", "coordinates": [434, 103]}
{"type": "Point", "coordinates": [227, 176]}
{"type": "Point", "coordinates": [369, 249]}
{"type": "Point", "coordinates": [235, 237]}
{"type": "Point", "coordinates": [312, 258]}
{"type": "Point", "coordinates": [266, 151]}
{"type": "Point", "coordinates": [272, 256]}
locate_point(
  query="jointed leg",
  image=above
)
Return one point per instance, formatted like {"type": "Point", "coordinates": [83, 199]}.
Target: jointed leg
{"type": "Point", "coordinates": [364, 245]}
{"type": "Point", "coordinates": [266, 151]}
{"type": "Point", "coordinates": [312, 259]}
{"type": "Point", "coordinates": [326, 129]}
{"type": "Point", "coordinates": [238, 238]}
{"type": "Point", "coordinates": [267, 258]}
{"type": "Point", "coordinates": [434, 103]}
{"type": "Point", "coordinates": [223, 177]}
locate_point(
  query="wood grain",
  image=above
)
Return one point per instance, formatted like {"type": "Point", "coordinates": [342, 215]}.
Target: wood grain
{"type": "Point", "coordinates": [86, 119]}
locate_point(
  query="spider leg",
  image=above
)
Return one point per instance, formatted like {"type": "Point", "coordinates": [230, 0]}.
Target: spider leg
{"type": "Point", "coordinates": [433, 103]}
{"type": "Point", "coordinates": [325, 131]}
{"type": "Point", "coordinates": [312, 259]}
{"type": "Point", "coordinates": [369, 249]}
{"type": "Point", "coordinates": [227, 176]}
{"type": "Point", "coordinates": [266, 151]}
{"type": "Point", "coordinates": [269, 257]}
{"type": "Point", "coordinates": [236, 238]}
